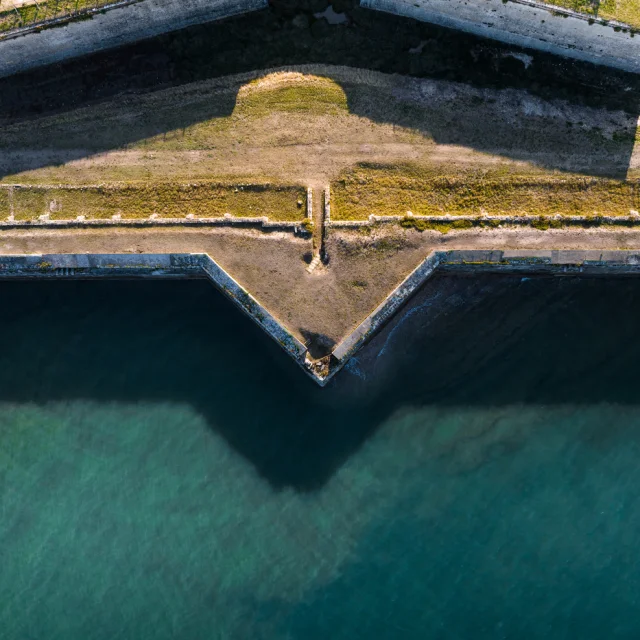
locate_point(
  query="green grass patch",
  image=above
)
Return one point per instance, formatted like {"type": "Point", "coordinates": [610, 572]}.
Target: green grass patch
{"type": "Point", "coordinates": [33, 14]}
{"type": "Point", "coordinates": [589, 7]}
{"type": "Point", "coordinates": [294, 93]}
{"type": "Point", "coordinates": [541, 223]}
{"type": "Point", "coordinates": [428, 225]}
{"type": "Point", "coordinates": [395, 189]}
{"type": "Point", "coordinates": [627, 11]}
{"type": "Point", "coordinates": [205, 200]}
{"type": "Point", "coordinates": [623, 10]}
{"type": "Point", "coordinates": [4, 202]}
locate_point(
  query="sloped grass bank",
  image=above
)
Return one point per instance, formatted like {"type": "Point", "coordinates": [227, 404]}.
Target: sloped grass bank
{"type": "Point", "coordinates": [627, 11]}
{"type": "Point", "coordinates": [201, 200]}
{"type": "Point", "coordinates": [623, 10]}
{"type": "Point", "coordinates": [394, 190]}
{"type": "Point", "coordinates": [217, 112]}
{"type": "Point", "coordinates": [37, 13]}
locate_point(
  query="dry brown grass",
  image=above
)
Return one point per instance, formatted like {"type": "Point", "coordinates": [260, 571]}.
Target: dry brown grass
{"type": "Point", "coordinates": [205, 200]}
{"type": "Point", "coordinates": [395, 189]}
{"type": "Point", "coordinates": [623, 10]}
{"type": "Point", "coordinates": [26, 14]}
{"type": "Point", "coordinates": [627, 11]}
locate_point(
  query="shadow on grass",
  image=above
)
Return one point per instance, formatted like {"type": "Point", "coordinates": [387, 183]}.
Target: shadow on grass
{"type": "Point", "coordinates": [496, 340]}
{"type": "Point", "coordinates": [371, 40]}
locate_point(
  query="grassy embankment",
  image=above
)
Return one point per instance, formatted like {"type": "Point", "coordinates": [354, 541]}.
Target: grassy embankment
{"type": "Point", "coordinates": [168, 195]}
{"type": "Point", "coordinates": [35, 13]}
{"type": "Point", "coordinates": [622, 10]}
{"type": "Point", "coordinates": [394, 190]}
{"type": "Point", "coordinates": [202, 200]}
{"type": "Point", "coordinates": [151, 147]}
{"type": "Point", "coordinates": [201, 116]}
{"type": "Point", "coordinates": [627, 11]}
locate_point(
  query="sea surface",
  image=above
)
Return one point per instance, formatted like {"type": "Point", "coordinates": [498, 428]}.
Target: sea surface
{"type": "Point", "coordinates": [166, 473]}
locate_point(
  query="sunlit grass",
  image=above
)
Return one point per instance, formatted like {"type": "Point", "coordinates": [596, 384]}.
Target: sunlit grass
{"type": "Point", "coordinates": [291, 92]}
{"type": "Point", "coordinates": [277, 202]}
{"type": "Point", "coordinates": [623, 10]}
{"type": "Point", "coordinates": [627, 11]}
{"type": "Point", "coordinates": [37, 13]}
{"type": "Point", "coordinates": [395, 189]}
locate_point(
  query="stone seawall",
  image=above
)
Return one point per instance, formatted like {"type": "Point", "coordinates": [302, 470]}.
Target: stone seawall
{"type": "Point", "coordinates": [605, 263]}
{"type": "Point", "coordinates": [527, 25]}
{"type": "Point", "coordinates": [602, 263]}
{"type": "Point", "coordinates": [174, 265]}
{"type": "Point", "coordinates": [113, 28]}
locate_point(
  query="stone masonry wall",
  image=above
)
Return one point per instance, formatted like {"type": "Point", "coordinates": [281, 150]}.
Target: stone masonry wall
{"type": "Point", "coordinates": [527, 25]}
{"type": "Point", "coordinates": [115, 27]}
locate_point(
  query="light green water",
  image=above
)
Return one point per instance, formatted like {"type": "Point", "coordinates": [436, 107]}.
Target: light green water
{"type": "Point", "coordinates": [166, 473]}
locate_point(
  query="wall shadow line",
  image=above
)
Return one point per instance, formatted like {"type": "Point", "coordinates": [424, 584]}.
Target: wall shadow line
{"type": "Point", "coordinates": [487, 341]}
{"type": "Point", "coordinates": [369, 40]}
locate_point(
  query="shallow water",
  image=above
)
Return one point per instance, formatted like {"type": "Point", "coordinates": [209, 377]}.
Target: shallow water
{"type": "Point", "coordinates": [167, 473]}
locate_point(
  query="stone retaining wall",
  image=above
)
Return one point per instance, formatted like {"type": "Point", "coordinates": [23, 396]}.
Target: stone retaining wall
{"type": "Point", "coordinates": [187, 265]}
{"type": "Point", "coordinates": [607, 263]}
{"type": "Point", "coordinates": [588, 262]}
{"type": "Point", "coordinates": [64, 18]}
{"type": "Point", "coordinates": [113, 28]}
{"type": "Point", "coordinates": [524, 220]}
{"type": "Point", "coordinates": [528, 24]}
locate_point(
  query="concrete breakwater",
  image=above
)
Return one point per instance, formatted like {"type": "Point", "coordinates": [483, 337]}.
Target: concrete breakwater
{"type": "Point", "coordinates": [113, 28]}
{"type": "Point", "coordinates": [529, 24]}
{"type": "Point", "coordinates": [604, 263]}
{"type": "Point", "coordinates": [153, 266]}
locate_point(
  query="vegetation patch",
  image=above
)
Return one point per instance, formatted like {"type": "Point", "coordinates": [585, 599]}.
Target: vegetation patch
{"type": "Point", "coordinates": [36, 13]}
{"type": "Point", "coordinates": [627, 11]}
{"type": "Point", "coordinates": [200, 200]}
{"type": "Point", "coordinates": [443, 227]}
{"type": "Point", "coordinates": [589, 7]}
{"type": "Point", "coordinates": [197, 117]}
{"type": "Point", "coordinates": [291, 92]}
{"type": "Point", "coordinates": [623, 10]}
{"type": "Point", "coordinates": [392, 190]}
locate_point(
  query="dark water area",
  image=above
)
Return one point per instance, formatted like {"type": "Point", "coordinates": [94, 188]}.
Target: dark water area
{"type": "Point", "coordinates": [167, 473]}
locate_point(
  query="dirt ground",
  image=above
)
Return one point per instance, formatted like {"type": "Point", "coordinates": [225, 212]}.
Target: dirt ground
{"type": "Point", "coordinates": [211, 129]}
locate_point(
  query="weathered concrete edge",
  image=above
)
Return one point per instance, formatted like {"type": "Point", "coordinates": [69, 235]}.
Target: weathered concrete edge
{"type": "Point", "coordinates": [114, 28]}
{"type": "Point", "coordinates": [588, 262]}
{"type": "Point", "coordinates": [223, 221]}
{"type": "Point", "coordinates": [518, 220]}
{"type": "Point", "coordinates": [183, 265]}
{"type": "Point", "coordinates": [502, 21]}
{"type": "Point", "coordinates": [190, 265]}
{"type": "Point", "coordinates": [375, 320]}
{"type": "Point", "coordinates": [591, 19]}
{"type": "Point", "coordinates": [64, 19]}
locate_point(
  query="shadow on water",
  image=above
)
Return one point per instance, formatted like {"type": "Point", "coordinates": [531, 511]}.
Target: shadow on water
{"type": "Point", "coordinates": [318, 344]}
{"type": "Point", "coordinates": [370, 40]}
{"type": "Point", "coordinates": [488, 341]}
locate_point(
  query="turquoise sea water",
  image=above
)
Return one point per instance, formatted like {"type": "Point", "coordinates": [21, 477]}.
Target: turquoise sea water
{"type": "Point", "coordinates": [167, 473]}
